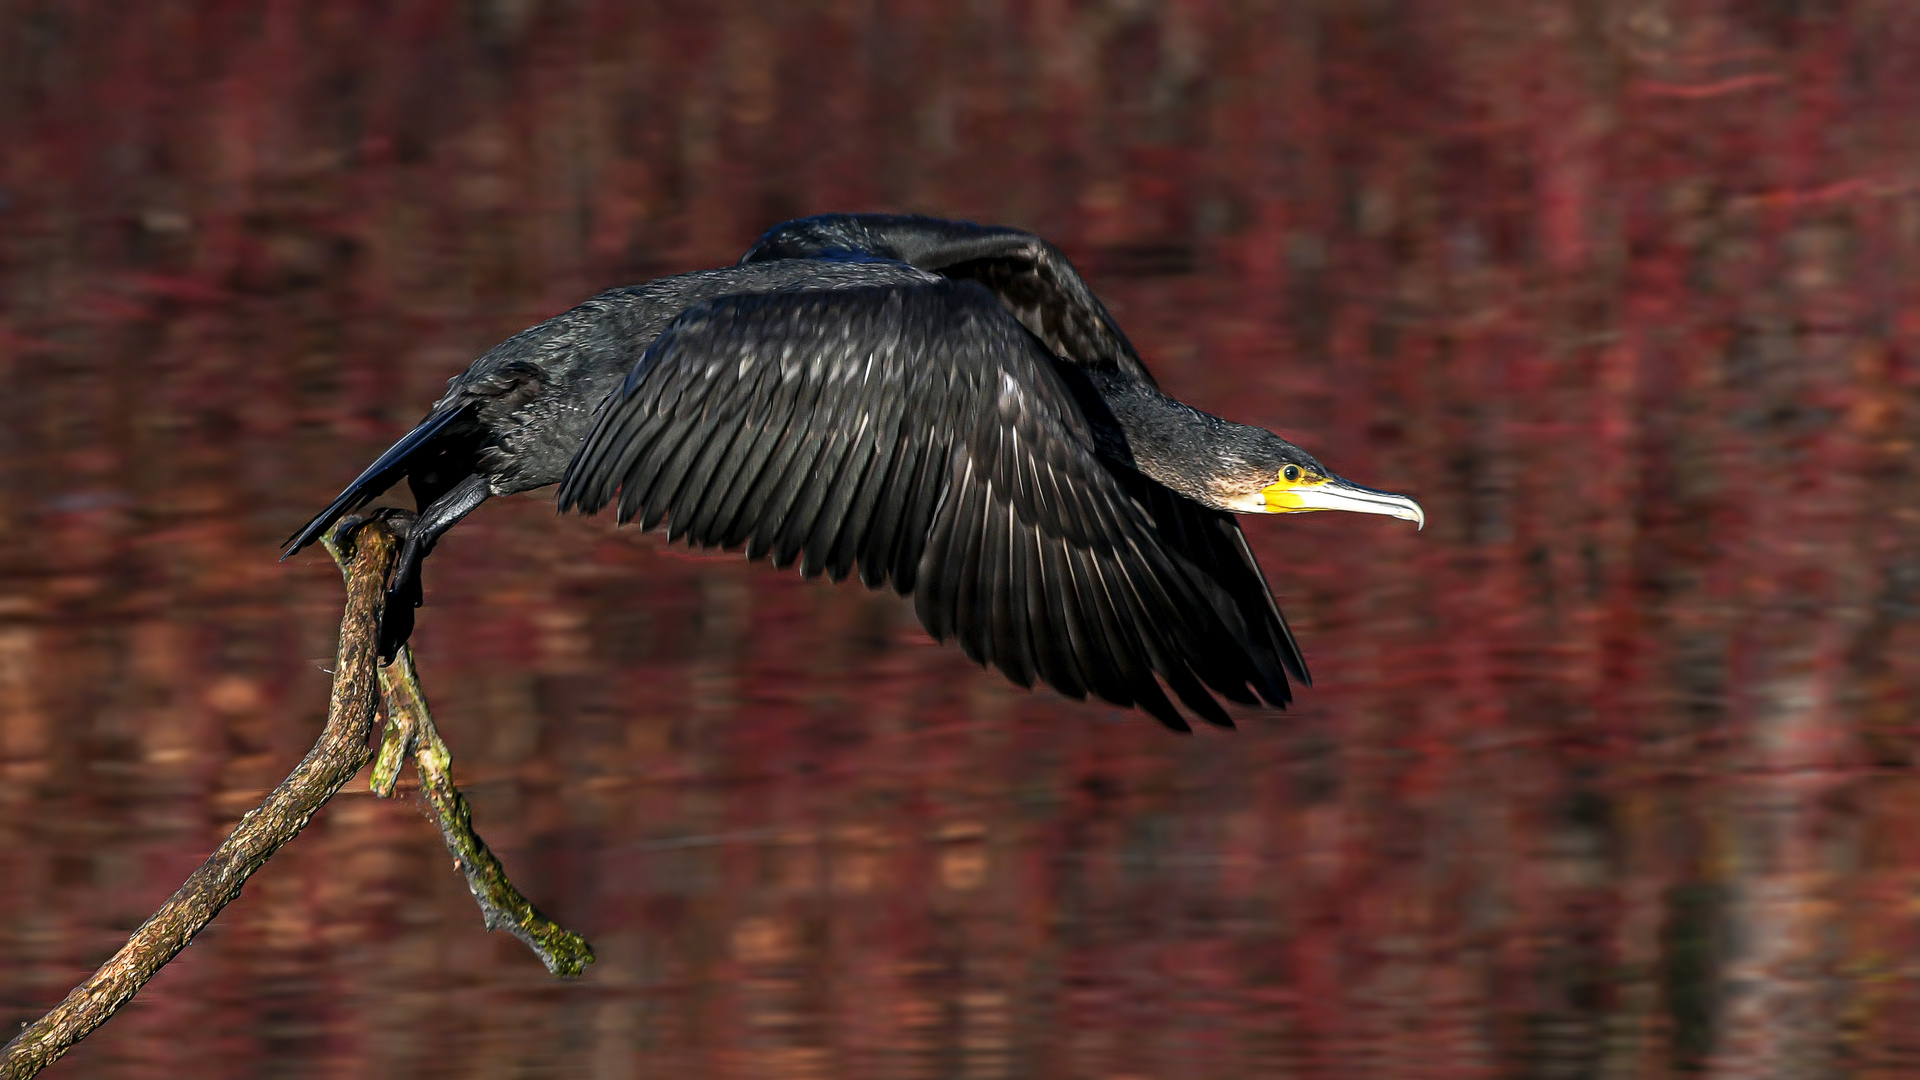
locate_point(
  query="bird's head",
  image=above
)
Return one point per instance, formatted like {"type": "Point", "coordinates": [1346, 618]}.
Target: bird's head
{"type": "Point", "coordinates": [1261, 473]}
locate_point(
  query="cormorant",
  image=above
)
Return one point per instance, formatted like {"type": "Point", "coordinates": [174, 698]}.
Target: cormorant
{"type": "Point", "coordinates": [945, 407]}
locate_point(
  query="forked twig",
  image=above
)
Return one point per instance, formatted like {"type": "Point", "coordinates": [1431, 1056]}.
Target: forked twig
{"type": "Point", "coordinates": [410, 730]}
{"type": "Point", "coordinates": [343, 748]}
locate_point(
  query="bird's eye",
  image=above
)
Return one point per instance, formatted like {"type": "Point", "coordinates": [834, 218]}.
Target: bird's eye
{"type": "Point", "coordinates": [1291, 472]}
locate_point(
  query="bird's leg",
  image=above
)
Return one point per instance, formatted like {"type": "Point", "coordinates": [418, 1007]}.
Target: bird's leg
{"type": "Point", "coordinates": [420, 535]}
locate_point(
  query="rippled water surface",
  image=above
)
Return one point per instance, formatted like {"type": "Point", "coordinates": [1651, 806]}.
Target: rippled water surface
{"type": "Point", "coordinates": [1608, 773]}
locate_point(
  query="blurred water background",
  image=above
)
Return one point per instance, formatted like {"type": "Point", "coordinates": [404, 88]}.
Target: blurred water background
{"type": "Point", "coordinates": [1608, 773]}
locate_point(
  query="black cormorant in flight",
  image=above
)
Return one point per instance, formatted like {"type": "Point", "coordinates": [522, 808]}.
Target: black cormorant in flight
{"type": "Point", "coordinates": [940, 406]}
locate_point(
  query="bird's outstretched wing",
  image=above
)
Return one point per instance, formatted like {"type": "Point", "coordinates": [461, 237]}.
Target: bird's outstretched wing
{"type": "Point", "coordinates": [1034, 279]}
{"type": "Point", "coordinates": [923, 436]}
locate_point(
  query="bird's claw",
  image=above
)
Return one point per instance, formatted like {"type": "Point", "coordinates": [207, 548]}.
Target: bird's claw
{"type": "Point", "coordinates": [397, 519]}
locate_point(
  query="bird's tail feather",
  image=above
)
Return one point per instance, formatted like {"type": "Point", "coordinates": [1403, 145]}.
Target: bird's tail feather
{"type": "Point", "coordinates": [385, 471]}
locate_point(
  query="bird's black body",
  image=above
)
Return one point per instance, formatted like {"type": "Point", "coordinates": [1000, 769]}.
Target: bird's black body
{"type": "Point", "coordinates": [512, 421]}
{"type": "Point", "coordinates": [942, 407]}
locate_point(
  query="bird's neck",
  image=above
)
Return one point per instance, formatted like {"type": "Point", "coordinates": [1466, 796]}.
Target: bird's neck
{"type": "Point", "coordinates": [1159, 437]}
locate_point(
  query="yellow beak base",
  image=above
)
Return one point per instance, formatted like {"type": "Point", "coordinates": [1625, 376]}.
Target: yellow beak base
{"type": "Point", "coordinates": [1310, 493]}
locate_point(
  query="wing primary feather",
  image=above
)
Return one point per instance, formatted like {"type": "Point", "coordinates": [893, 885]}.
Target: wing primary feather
{"type": "Point", "coordinates": [1200, 564]}
{"type": "Point", "coordinates": [625, 426]}
{"type": "Point", "coordinates": [798, 460]}
{"type": "Point", "coordinates": [602, 466]}
{"type": "Point", "coordinates": [989, 569]}
{"type": "Point", "coordinates": [811, 496]}
{"type": "Point", "coordinates": [644, 477]}
{"type": "Point", "coordinates": [1206, 634]}
{"type": "Point", "coordinates": [752, 405]}
{"type": "Point", "coordinates": [1058, 607]}
{"type": "Point", "coordinates": [711, 521]}
{"type": "Point", "coordinates": [800, 471]}
{"type": "Point", "coordinates": [1046, 630]}
{"type": "Point", "coordinates": [1290, 656]}
{"type": "Point", "coordinates": [695, 486]}
{"type": "Point", "coordinates": [1122, 618]}
{"type": "Point", "coordinates": [1215, 568]}
{"type": "Point", "coordinates": [932, 580]}
{"type": "Point", "coordinates": [728, 429]}
{"type": "Point", "coordinates": [1110, 661]}
{"type": "Point", "coordinates": [1137, 627]}
{"type": "Point", "coordinates": [1113, 621]}
{"type": "Point", "coordinates": [1154, 703]}
{"type": "Point", "coordinates": [813, 487]}
{"type": "Point", "coordinates": [823, 537]}
{"type": "Point", "coordinates": [929, 492]}
{"type": "Point", "coordinates": [1009, 598]}
{"type": "Point", "coordinates": [857, 524]}
{"type": "Point", "coordinates": [1062, 498]}
{"type": "Point", "coordinates": [662, 459]}
{"type": "Point", "coordinates": [990, 586]}
{"type": "Point", "coordinates": [964, 566]}
{"type": "Point", "coordinates": [892, 498]}
{"type": "Point", "coordinates": [733, 519]}
{"type": "Point", "coordinates": [586, 486]}
{"type": "Point", "coordinates": [616, 452]}
{"type": "Point", "coordinates": [697, 436]}
{"type": "Point", "coordinates": [759, 519]}
{"type": "Point", "coordinates": [1194, 696]}
{"type": "Point", "coordinates": [1153, 581]}
{"type": "Point", "coordinates": [1168, 659]}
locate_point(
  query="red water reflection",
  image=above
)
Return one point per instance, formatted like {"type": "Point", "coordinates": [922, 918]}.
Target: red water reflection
{"type": "Point", "coordinates": [1607, 773]}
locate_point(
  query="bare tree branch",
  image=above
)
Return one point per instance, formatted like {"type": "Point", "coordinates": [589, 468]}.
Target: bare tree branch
{"type": "Point", "coordinates": [341, 751]}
